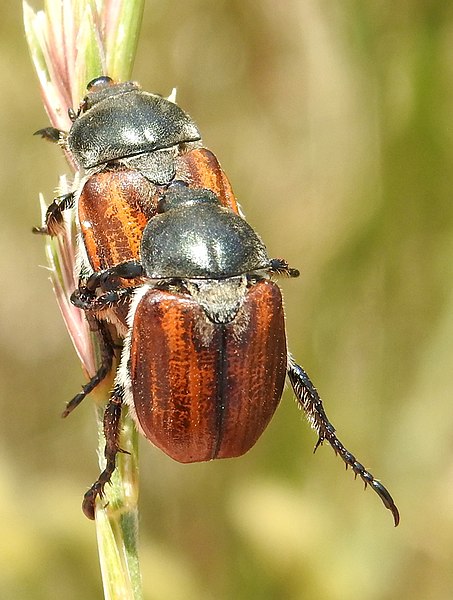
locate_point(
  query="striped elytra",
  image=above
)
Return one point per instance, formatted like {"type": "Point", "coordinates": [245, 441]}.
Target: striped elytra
{"type": "Point", "coordinates": [202, 390]}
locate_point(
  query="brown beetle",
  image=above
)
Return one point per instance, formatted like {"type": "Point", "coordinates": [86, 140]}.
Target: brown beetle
{"type": "Point", "coordinates": [129, 145]}
{"type": "Point", "coordinates": [205, 359]}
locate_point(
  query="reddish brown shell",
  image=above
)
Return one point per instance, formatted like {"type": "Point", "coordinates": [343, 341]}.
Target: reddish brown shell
{"type": "Point", "coordinates": [116, 203]}
{"type": "Point", "coordinates": [114, 207]}
{"type": "Point", "coordinates": [201, 169]}
{"type": "Point", "coordinates": [203, 390]}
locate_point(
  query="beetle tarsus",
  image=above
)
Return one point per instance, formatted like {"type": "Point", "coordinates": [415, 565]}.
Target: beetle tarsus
{"type": "Point", "coordinates": [87, 301]}
{"type": "Point", "coordinates": [89, 501]}
{"type": "Point", "coordinates": [107, 354]}
{"type": "Point", "coordinates": [112, 419]}
{"type": "Point", "coordinates": [319, 443]}
{"type": "Point", "coordinates": [51, 134]}
{"type": "Point", "coordinates": [280, 266]}
{"type": "Point", "coordinates": [308, 398]}
{"type": "Point", "coordinates": [73, 115]}
{"type": "Point", "coordinates": [54, 222]}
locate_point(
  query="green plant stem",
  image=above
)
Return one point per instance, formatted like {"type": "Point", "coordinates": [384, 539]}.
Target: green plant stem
{"type": "Point", "coordinates": [71, 42]}
{"type": "Point", "coordinates": [117, 518]}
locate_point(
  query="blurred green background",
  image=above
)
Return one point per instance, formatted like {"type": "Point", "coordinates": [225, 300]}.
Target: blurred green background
{"type": "Point", "coordinates": [333, 122]}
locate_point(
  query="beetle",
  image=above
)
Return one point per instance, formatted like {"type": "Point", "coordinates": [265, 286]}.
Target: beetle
{"type": "Point", "coordinates": [126, 138]}
{"type": "Point", "coordinates": [205, 360]}
{"type": "Point", "coordinates": [129, 145]}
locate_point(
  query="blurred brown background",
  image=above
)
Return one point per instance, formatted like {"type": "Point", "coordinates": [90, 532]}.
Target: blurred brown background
{"type": "Point", "coordinates": [333, 121]}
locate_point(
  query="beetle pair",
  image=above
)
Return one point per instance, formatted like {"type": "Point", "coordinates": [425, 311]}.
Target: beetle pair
{"type": "Point", "coordinates": [205, 357]}
{"type": "Point", "coordinates": [130, 145]}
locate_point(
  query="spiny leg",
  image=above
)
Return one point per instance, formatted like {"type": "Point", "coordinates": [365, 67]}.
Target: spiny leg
{"type": "Point", "coordinates": [112, 419]}
{"type": "Point", "coordinates": [107, 349]}
{"type": "Point", "coordinates": [279, 266]}
{"type": "Point", "coordinates": [51, 134]}
{"type": "Point", "coordinates": [108, 279]}
{"type": "Point", "coordinates": [109, 282]}
{"type": "Point", "coordinates": [54, 215]}
{"type": "Point", "coordinates": [89, 302]}
{"type": "Point", "coordinates": [309, 400]}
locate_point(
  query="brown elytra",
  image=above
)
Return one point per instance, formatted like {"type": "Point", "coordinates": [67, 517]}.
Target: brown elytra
{"type": "Point", "coordinates": [203, 390]}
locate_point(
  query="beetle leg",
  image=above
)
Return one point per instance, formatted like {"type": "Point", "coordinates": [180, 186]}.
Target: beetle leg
{"type": "Point", "coordinates": [54, 215]}
{"type": "Point", "coordinates": [73, 115]}
{"type": "Point", "coordinates": [279, 266]}
{"type": "Point", "coordinates": [112, 418]}
{"type": "Point", "coordinates": [107, 349]}
{"type": "Point", "coordinates": [89, 302]}
{"type": "Point", "coordinates": [309, 400]}
{"type": "Point", "coordinates": [51, 134]}
{"type": "Point", "coordinates": [108, 279]}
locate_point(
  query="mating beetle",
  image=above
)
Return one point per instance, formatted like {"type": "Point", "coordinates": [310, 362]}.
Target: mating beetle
{"type": "Point", "coordinates": [205, 360]}
{"type": "Point", "coordinates": [120, 127]}
{"type": "Point", "coordinates": [129, 145]}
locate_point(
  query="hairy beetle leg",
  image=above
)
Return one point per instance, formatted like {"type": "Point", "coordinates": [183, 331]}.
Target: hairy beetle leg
{"type": "Point", "coordinates": [51, 134]}
{"type": "Point", "coordinates": [112, 419]}
{"type": "Point", "coordinates": [309, 400]}
{"type": "Point", "coordinates": [54, 215]}
{"type": "Point", "coordinates": [107, 348]}
{"type": "Point", "coordinates": [87, 301]}
{"type": "Point", "coordinates": [280, 266]}
{"type": "Point", "coordinates": [107, 280]}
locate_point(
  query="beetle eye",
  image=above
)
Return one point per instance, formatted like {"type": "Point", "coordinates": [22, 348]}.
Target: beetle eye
{"type": "Point", "coordinates": [99, 82]}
